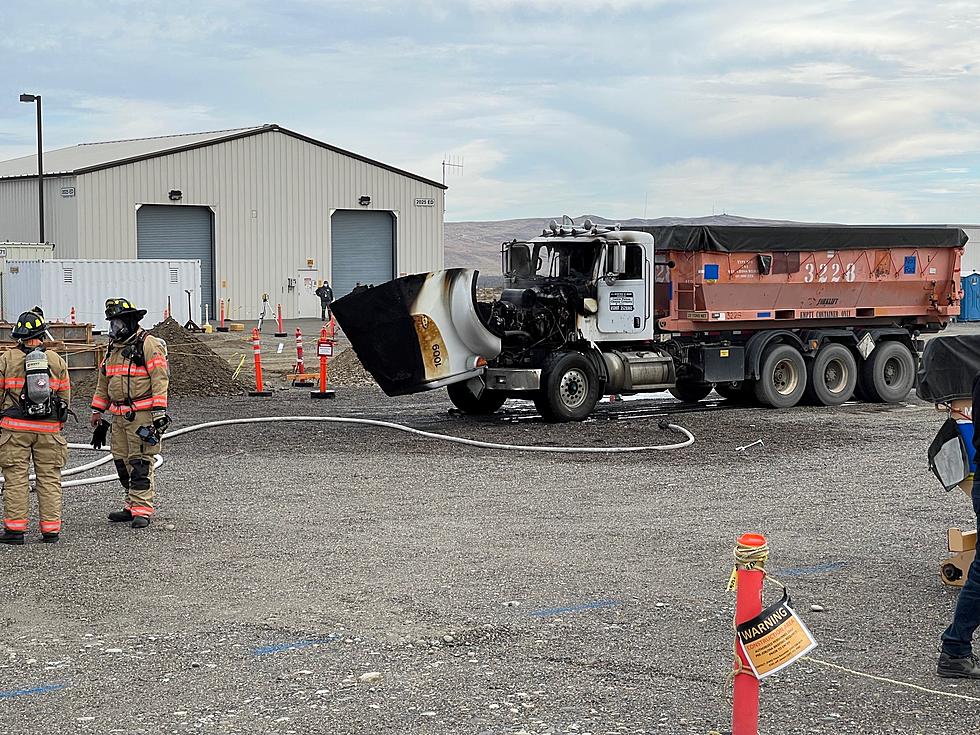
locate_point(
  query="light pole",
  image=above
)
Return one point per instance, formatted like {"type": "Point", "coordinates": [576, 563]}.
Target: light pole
{"type": "Point", "coordinates": [40, 165]}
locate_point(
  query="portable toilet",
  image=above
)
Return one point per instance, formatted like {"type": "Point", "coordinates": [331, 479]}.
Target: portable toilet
{"type": "Point", "coordinates": [970, 304]}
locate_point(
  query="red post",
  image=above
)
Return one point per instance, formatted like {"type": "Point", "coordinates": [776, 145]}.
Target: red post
{"type": "Point", "coordinates": [324, 346]}
{"type": "Point", "coordinates": [748, 604]}
{"type": "Point", "coordinates": [221, 316]}
{"type": "Point", "coordinates": [73, 315]}
{"type": "Point", "coordinates": [279, 331]}
{"type": "Point", "coordinates": [257, 352]}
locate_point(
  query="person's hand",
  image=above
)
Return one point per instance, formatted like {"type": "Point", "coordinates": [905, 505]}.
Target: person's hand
{"type": "Point", "coordinates": [160, 420]}
{"type": "Point", "coordinates": [96, 419]}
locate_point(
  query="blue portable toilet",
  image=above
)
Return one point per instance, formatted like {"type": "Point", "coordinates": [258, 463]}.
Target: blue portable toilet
{"type": "Point", "coordinates": [970, 305]}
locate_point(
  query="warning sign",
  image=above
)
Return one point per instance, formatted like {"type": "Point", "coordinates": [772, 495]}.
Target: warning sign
{"type": "Point", "coordinates": [620, 301]}
{"type": "Point", "coordinates": [774, 639]}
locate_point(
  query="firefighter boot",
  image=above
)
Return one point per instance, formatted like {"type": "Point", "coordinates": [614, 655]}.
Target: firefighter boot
{"type": "Point", "coordinates": [140, 522]}
{"type": "Point", "coordinates": [49, 538]}
{"type": "Point", "coordinates": [12, 537]}
{"type": "Point", "coordinates": [119, 516]}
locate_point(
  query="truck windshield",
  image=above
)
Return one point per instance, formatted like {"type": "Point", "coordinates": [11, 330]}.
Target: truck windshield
{"type": "Point", "coordinates": [574, 261]}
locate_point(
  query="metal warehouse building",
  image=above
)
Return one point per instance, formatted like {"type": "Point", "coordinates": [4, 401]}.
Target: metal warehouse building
{"type": "Point", "coordinates": [265, 210]}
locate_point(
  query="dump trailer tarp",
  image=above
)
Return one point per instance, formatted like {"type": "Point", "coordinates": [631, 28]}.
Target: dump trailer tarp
{"type": "Point", "coordinates": [806, 239]}
{"type": "Point", "coordinates": [948, 367]}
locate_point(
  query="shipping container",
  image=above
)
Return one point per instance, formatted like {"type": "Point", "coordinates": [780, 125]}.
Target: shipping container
{"type": "Point", "coordinates": [57, 286]}
{"type": "Point", "coordinates": [26, 251]}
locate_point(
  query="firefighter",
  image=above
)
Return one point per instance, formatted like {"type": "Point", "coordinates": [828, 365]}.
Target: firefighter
{"type": "Point", "coordinates": [33, 410]}
{"type": "Point", "coordinates": [132, 388]}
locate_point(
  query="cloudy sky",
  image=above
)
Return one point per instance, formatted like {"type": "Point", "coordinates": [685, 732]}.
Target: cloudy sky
{"type": "Point", "coordinates": [821, 110]}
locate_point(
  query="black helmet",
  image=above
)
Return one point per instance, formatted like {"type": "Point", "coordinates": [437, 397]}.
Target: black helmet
{"type": "Point", "coordinates": [37, 310]}
{"type": "Point", "coordinates": [121, 308]}
{"type": "Point", "coordinates": [29, 326]}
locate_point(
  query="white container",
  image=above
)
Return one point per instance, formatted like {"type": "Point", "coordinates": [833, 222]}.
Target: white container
{"type": "Point", "coordinates": [58, 285]}
{"type": "Point", "coordinates": [26, 251]}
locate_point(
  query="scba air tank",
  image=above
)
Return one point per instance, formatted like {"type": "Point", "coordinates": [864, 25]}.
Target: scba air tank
{"type": "Point", "coordinates": [37, 377]}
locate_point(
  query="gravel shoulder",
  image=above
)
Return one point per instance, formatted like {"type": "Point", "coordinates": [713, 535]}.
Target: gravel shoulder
{"type": "Point", "coordinates": [494, 592]}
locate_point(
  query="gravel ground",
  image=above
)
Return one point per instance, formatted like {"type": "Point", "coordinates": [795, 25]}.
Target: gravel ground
{"type": "Point", "coordinates": [492, 592]}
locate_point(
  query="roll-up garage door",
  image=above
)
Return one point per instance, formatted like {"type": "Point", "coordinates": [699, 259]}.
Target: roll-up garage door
{"type": "Point", "coordinates": [178, 233]}
{"type": "Point", "coordinates": [362, 249]}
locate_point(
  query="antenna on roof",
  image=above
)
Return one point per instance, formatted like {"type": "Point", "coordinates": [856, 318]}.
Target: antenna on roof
{"type": "Point", "coordinates": [452, 163]}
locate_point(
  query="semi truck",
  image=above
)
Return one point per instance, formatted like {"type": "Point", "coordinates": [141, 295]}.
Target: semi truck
{"type": "Point", "coordinates": [770, 315]}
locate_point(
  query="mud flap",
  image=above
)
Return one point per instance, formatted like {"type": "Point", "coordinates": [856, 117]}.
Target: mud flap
{"type": "Point", "coordinates": [418, 332]}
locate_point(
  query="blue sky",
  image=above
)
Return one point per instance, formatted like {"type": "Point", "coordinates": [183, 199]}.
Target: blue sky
{"type": "Point", "coordinates": [822, 110]}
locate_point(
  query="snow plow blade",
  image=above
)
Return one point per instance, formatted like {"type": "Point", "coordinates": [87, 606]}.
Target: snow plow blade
{"type": "Point", "coordinates": [418, 332]}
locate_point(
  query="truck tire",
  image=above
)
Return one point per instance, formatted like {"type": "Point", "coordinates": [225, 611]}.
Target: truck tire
{"type": "Point", "coordinates": [782, 377]}
{"type": "Point", "coordinates": [569, 388]}
{"type": "Point", "coordinates": [690, 391]}
{"type": "Point", "coordinates": [833, 376]}
{"type": "Point", "coordinates": [888, 374]}
{"type": "Point", "coordinates": [463, 399]}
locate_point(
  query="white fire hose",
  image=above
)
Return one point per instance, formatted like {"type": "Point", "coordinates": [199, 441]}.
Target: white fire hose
{"type": "Point", "coordinates": [688, 441]}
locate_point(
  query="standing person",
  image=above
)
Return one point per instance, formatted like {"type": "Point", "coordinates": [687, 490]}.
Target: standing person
{"type": "Point", "coordinates": [326, 297]}
{"type": "Point", "coordinates": [34, 406]}
{"type": "Point", "coordinates": [132, 387]}
{"type": "Point", "coordinates": [957, 660]}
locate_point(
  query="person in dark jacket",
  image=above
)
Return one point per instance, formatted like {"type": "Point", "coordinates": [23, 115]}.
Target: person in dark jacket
{"type": "Point", "coordinates": [326, 296]}
{"type": "Point", "coordinates": [957, 660]}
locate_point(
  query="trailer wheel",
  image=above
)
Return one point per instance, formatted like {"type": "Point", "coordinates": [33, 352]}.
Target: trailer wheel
{"type": "Point", "coordinates": [463, 399]}
{"type": "Point", "coordinates": [569, 388]}
{"type": "Point", "coordinates": [782, 377]}
{"type": "Point", "coordinates": [833, 375]}
{"type": "Point", "coordinates": [888, 374]}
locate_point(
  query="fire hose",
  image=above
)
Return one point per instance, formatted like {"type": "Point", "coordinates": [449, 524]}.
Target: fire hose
{"type": "Point", "coordinates": [665, 426]}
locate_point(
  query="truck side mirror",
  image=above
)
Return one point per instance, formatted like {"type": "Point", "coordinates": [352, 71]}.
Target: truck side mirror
{"type": "Point", "coordinates": [617, 258]}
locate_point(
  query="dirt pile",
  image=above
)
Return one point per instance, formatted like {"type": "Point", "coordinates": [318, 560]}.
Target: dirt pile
{"type": "Point", "coordinates": [345, 369]}
{"type": "Point", "coordinates": [195, 369]}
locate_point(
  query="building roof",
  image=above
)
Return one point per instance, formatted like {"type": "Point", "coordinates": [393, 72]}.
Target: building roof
{"type": "Point", "coordinates": [88, 157]}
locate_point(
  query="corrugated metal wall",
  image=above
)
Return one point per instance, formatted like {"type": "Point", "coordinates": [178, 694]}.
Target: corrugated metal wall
{"type": "Point", "coordinates": [18, 213]}
{"type": "Point", "coordinates": [272, 196]}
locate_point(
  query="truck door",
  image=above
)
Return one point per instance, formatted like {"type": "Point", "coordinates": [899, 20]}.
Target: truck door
{"type": "Point", "coordinates": [623, 307]}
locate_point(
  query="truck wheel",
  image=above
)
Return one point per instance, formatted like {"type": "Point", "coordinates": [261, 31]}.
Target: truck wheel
{"type": "Point", "coordinates": [569, 388]}
{"type": "Point", "coordinates": [888, 374]}
{"type": "Point", "coordinates": [463, 399]}
{"type": "Point", "coordinates": [833, 375]}
{"type": "Point", "coordinates": [690, 392]}
{"type": "Point", "coordinates": [782, 377]}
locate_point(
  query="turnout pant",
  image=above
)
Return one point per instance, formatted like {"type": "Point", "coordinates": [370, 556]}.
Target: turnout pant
{"type": "Point", "coordinates": [134, 462]}
{"type": "Point", "coordinates": [49, 452]}
{"type": "Point", "coordinates": [958, 637]}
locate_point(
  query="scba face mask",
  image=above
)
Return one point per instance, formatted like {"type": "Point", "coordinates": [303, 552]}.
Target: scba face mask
{"type": "Point", "coordinates": [119, 328]}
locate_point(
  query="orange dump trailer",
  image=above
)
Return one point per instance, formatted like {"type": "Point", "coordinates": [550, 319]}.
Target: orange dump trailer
{"type": "Point", "coordinates": [766, 277]}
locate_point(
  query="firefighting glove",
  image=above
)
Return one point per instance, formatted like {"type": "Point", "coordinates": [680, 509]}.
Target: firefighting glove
{"type": "Point", "coordinates": [100, 434]}
{"type": "Point", "coordinates": [96, 419]}
{"type": "Point", "coordinates": [161, 421]}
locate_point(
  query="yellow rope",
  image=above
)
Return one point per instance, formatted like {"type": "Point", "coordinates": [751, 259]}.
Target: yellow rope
{"type": "Point", "coordinates": [886, 680]}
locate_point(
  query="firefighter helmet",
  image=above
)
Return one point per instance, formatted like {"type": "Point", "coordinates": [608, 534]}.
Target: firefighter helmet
{"type": "Point", "coordinates": [120, 308]}
{"type": "Point", "coordinates": [29, 326]}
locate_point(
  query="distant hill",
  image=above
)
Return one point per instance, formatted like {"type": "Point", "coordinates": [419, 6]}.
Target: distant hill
{"type": "Point", "coordinates": [477, 244]}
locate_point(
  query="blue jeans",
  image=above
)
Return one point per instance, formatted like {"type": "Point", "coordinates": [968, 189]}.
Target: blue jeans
{"type": "Point", "coordinates": [957, 640]}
